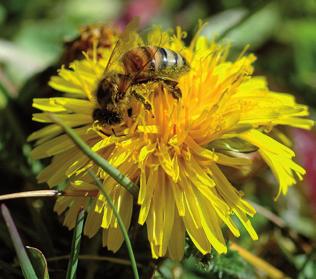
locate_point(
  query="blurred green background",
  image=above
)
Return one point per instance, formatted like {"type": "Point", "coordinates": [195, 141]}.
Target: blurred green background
{"type": "Point", "coordinates": [282, 34]}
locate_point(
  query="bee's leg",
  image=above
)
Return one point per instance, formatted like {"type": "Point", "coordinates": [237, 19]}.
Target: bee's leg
{"type": "Point", "coordinates": [113, 131]}
{"type": "Point", "coordinates": [118, 97]}
{"type": "Point", "coordinates": [176, 92]}
{"type": "Point", "coordinates": [141, 99]}
{"type": "Point", "coordinates": [173, 88]}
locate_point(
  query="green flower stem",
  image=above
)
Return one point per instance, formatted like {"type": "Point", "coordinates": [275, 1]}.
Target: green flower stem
{"type": "Point", "coordinates": [75, 246]}
{"type": "Point", "coordinates": [24, 260]}
{"type": "Point", "coordinates": [120, 223]}
{"type": "Point", "coordinates": [104, 164]}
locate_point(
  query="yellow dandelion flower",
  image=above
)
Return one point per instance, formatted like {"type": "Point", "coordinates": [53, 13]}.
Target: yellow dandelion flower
{"type": "Point", "coordinates": [170, 150]}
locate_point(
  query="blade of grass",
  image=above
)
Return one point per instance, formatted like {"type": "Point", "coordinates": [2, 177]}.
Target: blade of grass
{"type": "Point", "coordinates": [88, 257]}
{"type": "Point", "coordinates": [39, 262]}
{"type": "Point", "coordinates": [48, 193]}
{"type": "Point", "coordinates": [75, 246]}
{"type": "Point", "coordinates": [31, 194]}
{"type": "Point", "coordinates": [120, 223]}
{"type": "Point", "coordinates": [104, 164]}
{"type": "Point", "coordinates": [26, 266]}
{"type": "Point", "coordinates": [268, 214]}
{"type": "Point", "coordinates": [258, 263]}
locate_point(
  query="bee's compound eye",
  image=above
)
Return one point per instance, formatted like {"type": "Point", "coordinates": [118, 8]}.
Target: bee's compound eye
{"type": "Point", "coordinates": [104, 93]}
{"type": "Point", "coordinates": [105, 116]}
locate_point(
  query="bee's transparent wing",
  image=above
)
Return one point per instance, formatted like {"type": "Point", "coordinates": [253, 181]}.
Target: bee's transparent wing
{"type": "Point", "coordinates": [154, 37]}
{"type": "Point", "coordinates": [128, 39]}
{"type": "Point", "coordinates": [157, 37]}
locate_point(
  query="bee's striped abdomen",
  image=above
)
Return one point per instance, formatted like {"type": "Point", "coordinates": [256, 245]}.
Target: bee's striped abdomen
{"type": "Point", "coordinates": [154, 61]}
{"type": "Point", "coordinates": [171, 60]}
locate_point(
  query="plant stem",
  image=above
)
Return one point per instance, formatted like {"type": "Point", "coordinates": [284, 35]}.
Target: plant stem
{"type": "Point", "coordinates": [31, 194]}
{"type": "Point", "coordinates": [88, 257]}
{"type": "Point", "coordinates": [104, 164]}
{"type": "Point", "coordinates": [75, 246]}
{"type": "Point", "coordinates": [25, 262]}
{"type": "Point", "coordinates": [120, 223]}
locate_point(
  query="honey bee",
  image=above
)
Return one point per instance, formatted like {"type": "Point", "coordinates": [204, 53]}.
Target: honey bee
{"type": "Point", "coordinates": [140, 65]}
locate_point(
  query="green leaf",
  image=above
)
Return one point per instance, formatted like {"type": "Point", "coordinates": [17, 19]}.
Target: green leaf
{"type": "Point", "coordinates": [300, 34]}
{"type": "Point", "coordinates": [26, 265]}
{"type": "Point", "coordinates": [242, 28]}
{"type": "Point", "coordinates": [258, 28]}
{"type": "Point", "coordinates": [75, 246]}
{"type": "Point", "coordinates": [306, 265]}
{"type": "Point", "coordinates": [2, 14]}
{"type": "Point", "coordinates": [39, 262]}
{"type": "Point", "coordinates": [198, 266]}
{"type": "Point", "coordinates": [229, 266]}
{"type": "Point", "coordinates": [232, 144]}
{"type": "Point", "coordinates": [219, 23]}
